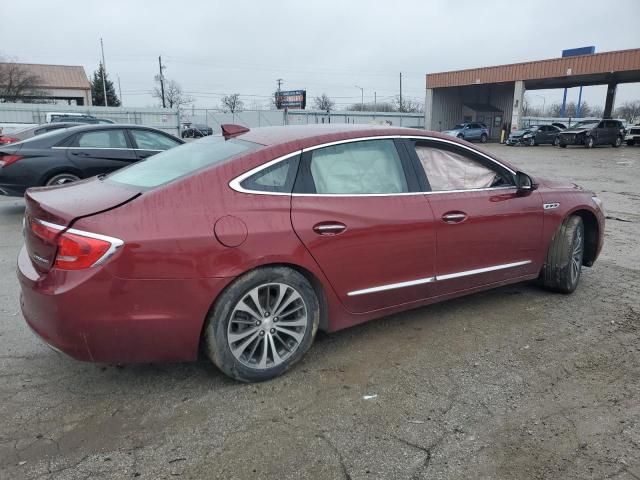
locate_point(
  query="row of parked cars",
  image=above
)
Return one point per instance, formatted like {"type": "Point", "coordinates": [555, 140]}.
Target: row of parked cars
{"type": "Point", "coordinates": [588, 133]}
{"type": "Point", "coordinates": [61, 152]}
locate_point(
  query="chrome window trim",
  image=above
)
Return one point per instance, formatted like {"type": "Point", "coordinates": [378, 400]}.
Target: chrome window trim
{"type": "Point", "coordinates": [116, 243]}
{"type": "Point", "coordinates": [111, 148]}
{"type": "Point", "coordinates": [235, 183]}
{"type": "Point", "coordinates": [437, 278]}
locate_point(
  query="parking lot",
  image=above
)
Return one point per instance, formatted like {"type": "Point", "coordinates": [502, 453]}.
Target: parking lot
{"type": "Point", "coordinates": [512, 383]}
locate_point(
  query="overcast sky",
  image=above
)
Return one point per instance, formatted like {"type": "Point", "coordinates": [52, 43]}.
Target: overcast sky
{"type": "Point", "coordinates": [217, 47]}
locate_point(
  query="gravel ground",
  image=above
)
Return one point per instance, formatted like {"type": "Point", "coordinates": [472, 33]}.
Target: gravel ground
{"type": "Point", "coordinates": [512, 383]}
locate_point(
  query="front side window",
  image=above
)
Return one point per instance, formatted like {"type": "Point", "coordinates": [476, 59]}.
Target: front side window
{"type": "Point", "coordinates": [147, 140]}
{"type": "Point", "coordinates": [181, 161]}
{"type": "Point", "coordinates": [358, 168]}
{"type": "Point", "coordinates": [101, 139]}
{"type": "Point", "coordinates": [451, 170]}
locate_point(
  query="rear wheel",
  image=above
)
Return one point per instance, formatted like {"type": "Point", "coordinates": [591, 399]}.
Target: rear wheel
{"type": "Point", "coordinates": [563, 265]}
{"type": "Point", "coordinates": [589, 142]}
{"type": "Point", "coordinates": [556, 142]}
{"type": "Point", "coordinates": [262, 324]}
{"type": "Point", "coordinates": [62, 179]}
{"type": "Point", "coordinates": [483, 138]}
{"type": "Point", "coordinates": [618, 142]}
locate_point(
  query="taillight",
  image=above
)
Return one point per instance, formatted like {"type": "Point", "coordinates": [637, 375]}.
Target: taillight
{"type": "Point", "coordinates": [5, 140]}
{"type": "Point", "coordinates": [77, 249]}
{"type": "Point", "coordinates": [7, 160]}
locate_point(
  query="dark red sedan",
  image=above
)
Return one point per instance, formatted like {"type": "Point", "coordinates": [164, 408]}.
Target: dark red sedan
{"type": "Point", "coordinates": [249, 242]}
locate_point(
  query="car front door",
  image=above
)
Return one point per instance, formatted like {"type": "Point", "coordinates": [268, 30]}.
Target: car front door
{"type": "Point", "coordinates": [147, 142]}
{"type": "Point", "coordinates": [601, 133]}
{"type": "Point", "coordinates": [100, 151]}
{"type": "Point", "coordinates": [487, 232]}
{"type": "Point", "coordinates": [474, 131]}
{"type": "Point", "coordinates": [358, 210]}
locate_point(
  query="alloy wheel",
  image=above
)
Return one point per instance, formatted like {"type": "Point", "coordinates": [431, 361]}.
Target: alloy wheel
{"type": "Point", "coordinates": [62, 179]}
{"type": "Point", "coordinates": [576, 256]}
{"type": "Point", "coordinates": [267, 325]}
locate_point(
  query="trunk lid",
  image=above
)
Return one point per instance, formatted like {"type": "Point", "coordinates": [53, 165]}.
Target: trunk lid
{"type": "Point", "coordinates": [49, 208]}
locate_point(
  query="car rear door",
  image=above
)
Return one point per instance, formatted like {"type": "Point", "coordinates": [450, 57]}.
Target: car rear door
{"type": "Point", "coordinates": [100, 151]}
{"type": "Point", "coordinates": [357, 208]}
{"type": "Point", "coordinates": [148, 142]}
{"type": "Point", "coordinates": [487, 232]}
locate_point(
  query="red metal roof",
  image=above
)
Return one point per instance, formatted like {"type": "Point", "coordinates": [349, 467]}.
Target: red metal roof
{"type": "Point", "coordinates": [606, 62]}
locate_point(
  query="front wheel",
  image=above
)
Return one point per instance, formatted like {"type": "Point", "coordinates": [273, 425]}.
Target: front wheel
{"type": "Point", "coordinates": [589, 142]}
{"type": "Point", "coordinates": [618, 142]}
{"type": "Point", "coordinates": [461, 136]}
{"type": "Point", "coordinates": [532, 142]}
{"type": "Point", "coordinates": [563, 264]}
{"type": "Point", "coordinates": [262, 324]}
{"type": "Point", "coordinates": [556, 142]}
{"type": "Point", "coordinates": [483, 138]}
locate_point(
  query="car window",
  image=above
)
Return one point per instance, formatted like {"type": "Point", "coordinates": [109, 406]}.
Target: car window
{"type": "Point", "coordinates": [357, 168]}
{"type": "Point", "coordinates": [148, 140]}
{"type": "Point", "coordinates": [276, 178]}
{"type": "Point", "coordinates": [102, 139]}
{"type": "Point", "coordinates": [452, 170]}
{"type": "Point", "coordinates": [181, 161]}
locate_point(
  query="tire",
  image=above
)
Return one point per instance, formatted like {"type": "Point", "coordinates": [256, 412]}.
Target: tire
{"type": "Point", "coordinates": [631, 143]}
{"type": "Point", "coordinates": [483, 138]}
{"type": "Point", "coordinates": [236, 313]}
{"type": "Point", "coordinates": [556, 142]}
{"type": "Point", "coordinates": [62, 179]}
{"type": "Point", "coordinates": [461, 136]}
{"type": "Point", "coordinates": [618, 142]}
{"type": "Point", "coordinates": [532, 142]}
{"type": "Point", "coordinates": [589, 142]}
{"type": "Point", "coordinates": [563, 265]}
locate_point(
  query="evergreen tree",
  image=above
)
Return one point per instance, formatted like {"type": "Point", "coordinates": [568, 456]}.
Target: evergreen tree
{"type": "Point", "coordinates": [97, 90]}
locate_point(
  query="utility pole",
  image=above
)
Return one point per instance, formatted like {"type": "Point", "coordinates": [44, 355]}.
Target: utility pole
{"type": "Point", "coordinates": [401, 106]}
{"type": "Point", "coordinates": [119, 90]}
{"type": "Point", "coordinates": [361, 98]}
{"type": "Point", "coordinates": [104, 74]}
{"type": "Point", "coordinates": [279, 84]}
{"type": "Point", "coordinates": [375, 101]}
{"type": "Point", "coordinates": [161, 77]}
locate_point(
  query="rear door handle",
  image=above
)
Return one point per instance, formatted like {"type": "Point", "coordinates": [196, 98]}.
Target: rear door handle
{"type": "Point", "coordinates": [454, 217]}
{"type": "Point", "coordinates": [329, 228]}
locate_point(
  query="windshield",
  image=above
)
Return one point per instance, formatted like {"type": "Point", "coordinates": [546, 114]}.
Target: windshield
{"type": "Point", "coordinates": [586, 123]}
{"type": "Point", "coordinates": [180, 161]}
{"type": "Point", "coordinates": [460, 126]}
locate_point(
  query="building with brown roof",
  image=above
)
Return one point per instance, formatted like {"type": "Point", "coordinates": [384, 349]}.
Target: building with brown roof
{"type": "Point", "coordinates": [63, 83]}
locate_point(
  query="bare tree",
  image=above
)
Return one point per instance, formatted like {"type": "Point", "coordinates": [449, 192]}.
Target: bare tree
{"type": "Point", "coordinates": [630, 111]}
{"type": "Point", "coordinates": [17, 84]}
{"type": "Point", "coordinates": [323, 102]}
{"type": "Point", "coordinates": [232, 103]}
{"type": "Point", "coordinates": [173, 94]}
{"type": "Point", "coordinates": [371, 107]}
{"type": "Point", "coordinates": [407, 105]}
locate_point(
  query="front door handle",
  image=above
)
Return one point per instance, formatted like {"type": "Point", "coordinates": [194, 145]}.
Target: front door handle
{"type": "Point", "coordinates": [454, 217]}
{"type": "Point", "coordinates": [329, 228]}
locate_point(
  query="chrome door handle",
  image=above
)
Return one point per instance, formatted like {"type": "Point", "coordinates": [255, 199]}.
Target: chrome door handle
{"type": "Point", "coordinates": [332, 228]}
{"type": "Point", "coordinates": [454, 217]}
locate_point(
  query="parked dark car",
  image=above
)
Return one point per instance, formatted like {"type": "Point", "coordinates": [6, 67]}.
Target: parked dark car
{"type": "Point", "coordinates": [469, 132]}
{"type": "Point", "coordinates": [197, 130]}
{"type": "Point", "coordinates": [593, 132]}
{"type": "Point", "coordinates": [561, 126]}
{"type": "Point", "coordinates": [67, 155]}
{"type": "Point", "coordinates": [80, 119]}
{"type": "Point", "coordinates": [535, 135]}
{"type": "Point", "coordinates": [33, 131]}
{"type": "Point", "coordinates": [245, 245]}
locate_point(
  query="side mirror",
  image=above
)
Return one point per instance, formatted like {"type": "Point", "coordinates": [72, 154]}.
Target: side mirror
{"type": "Point", "coordinates": [524, 183]}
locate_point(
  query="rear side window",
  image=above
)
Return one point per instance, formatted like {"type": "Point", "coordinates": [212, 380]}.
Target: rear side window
{"type": "Point", "coordinates": [357, 168]}
{"type": "Point", "coordinates": [101, 139]}
{"type": "Point", "coordinates": [147, 140]}
{"type": "Point", "coordinates": [276, 178]}
{"type": "Point", "coordinates": [181, 161]}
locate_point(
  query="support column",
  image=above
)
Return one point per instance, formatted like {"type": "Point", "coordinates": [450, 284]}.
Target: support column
{"type": "Point", "coordinates": [611, 99]}
{"type": "Point", "coordinates": [518, 97]}
{"type": "Point", "coordinates": [428, 110]}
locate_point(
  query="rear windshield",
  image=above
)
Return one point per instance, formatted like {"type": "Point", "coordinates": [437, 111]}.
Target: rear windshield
{"type": "Point", "coordinates": [180, 161]}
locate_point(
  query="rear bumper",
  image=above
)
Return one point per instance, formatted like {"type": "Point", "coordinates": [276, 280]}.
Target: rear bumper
{"type": "Point", "coordinates": [93, 316]}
